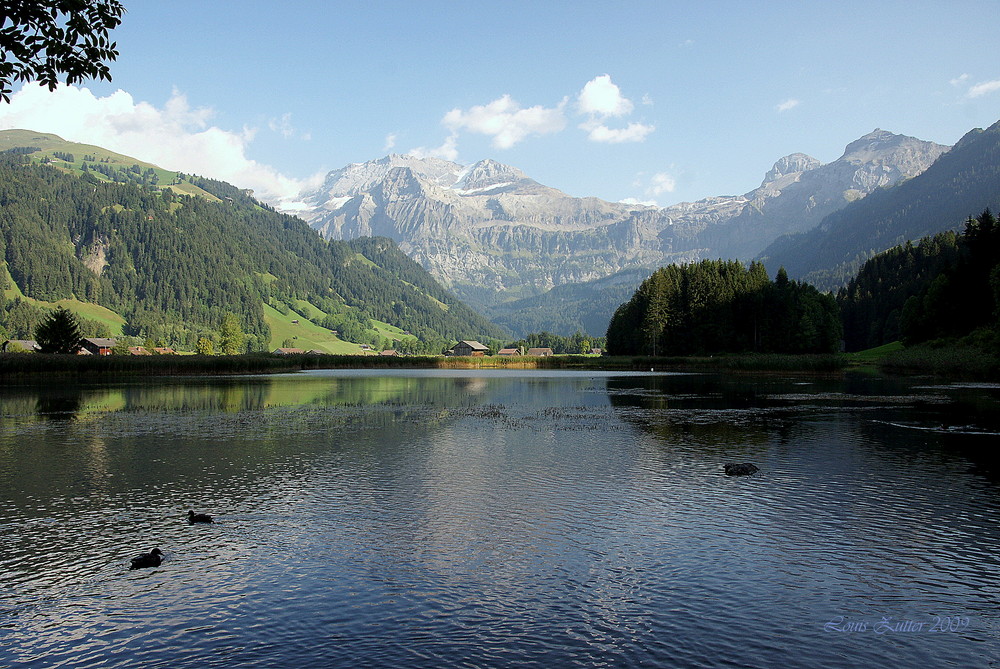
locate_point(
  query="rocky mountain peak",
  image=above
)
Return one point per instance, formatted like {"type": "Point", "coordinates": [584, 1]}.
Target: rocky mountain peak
{"type": "Point", "coordinates": [790, 164]}
{"type": "Point", "coordinates": [881, 144]}
{"type": "Point", "coordinates": [360, 177]}
{"type": "Point", "coordinates": [492, 234]}
{"type": "Point", "coordinates": [489, 175]}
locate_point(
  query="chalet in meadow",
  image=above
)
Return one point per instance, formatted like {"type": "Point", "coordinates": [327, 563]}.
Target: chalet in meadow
{"type": "Point", "coordinates": [96, 346]}
{"type": "Point", "coordinates": [468, 348]}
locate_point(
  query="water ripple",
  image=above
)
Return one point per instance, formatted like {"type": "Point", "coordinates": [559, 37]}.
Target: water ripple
{"type": "Point", "coordinates": [543, 521]}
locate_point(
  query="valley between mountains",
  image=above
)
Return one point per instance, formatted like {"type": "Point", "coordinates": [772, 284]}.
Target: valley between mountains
{"type": "Point", "coordinates": [418, 250]}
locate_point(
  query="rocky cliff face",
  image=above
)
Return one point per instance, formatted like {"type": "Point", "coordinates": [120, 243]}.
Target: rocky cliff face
{"type": "Point", "coordinates": [492, 235]}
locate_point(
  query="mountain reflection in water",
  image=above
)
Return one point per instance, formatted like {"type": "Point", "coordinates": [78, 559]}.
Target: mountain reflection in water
{"type": "Point", "coordinates": [429, 518]}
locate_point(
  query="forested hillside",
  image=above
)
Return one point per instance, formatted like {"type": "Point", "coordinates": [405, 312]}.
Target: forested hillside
{"type": "Point", "coordinates": [571, 307]}
{"type": "Point", "coordinates": [173, 265]}
{"type": "Point", "coordinates": [872, 303]}
{"type": "Point", "coordinates": [720, 306]}
{"type": "Point", "coordinates": [963, 180]}
{"type": "Point", "coordinates": [947, 286]}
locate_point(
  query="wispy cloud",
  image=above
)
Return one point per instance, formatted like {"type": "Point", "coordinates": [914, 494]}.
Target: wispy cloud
{"type": "Point", "coordinates": [959, 80]}
{"type": "Point", "coordinates": [652, 187]}
{"type": "Point", "coordinates": [390, 142]}
{"type": "Point", "coordinates": [984, 88]}
{"type": "Point", "coordinates": [506, 121]}
{"type": "Point", "coordinates": [447, 151]}
{"type": "Point", "coordinates": [282, 126]}
{"type": "Point", "coordinates": [176, 137]}
{"type": "Point", "coordinates": [661, 183]}
{"type": "Point", "coordinates": [790, 103]}
{"type": "Point", "coordinates": [633, 132]}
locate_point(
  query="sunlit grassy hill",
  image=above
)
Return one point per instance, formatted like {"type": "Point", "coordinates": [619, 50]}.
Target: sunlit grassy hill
{"type": "Point", "coordinates": [157, 255]}
{"type": "Point", "coordinates": [89, 159]}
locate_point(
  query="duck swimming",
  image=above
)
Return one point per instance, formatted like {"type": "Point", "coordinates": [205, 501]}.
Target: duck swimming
{"type": "Point", "coordinates": [151, 559]}
{"type": "Point", "coordinates": [199, 517]}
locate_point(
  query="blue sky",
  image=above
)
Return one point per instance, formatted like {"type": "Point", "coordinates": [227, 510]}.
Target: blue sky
{"type": "Point", "coordinates": [653, 101]}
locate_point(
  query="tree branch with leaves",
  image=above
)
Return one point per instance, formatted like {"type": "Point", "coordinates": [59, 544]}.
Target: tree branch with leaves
{"type": "Point", "coordinates": [62, 39]}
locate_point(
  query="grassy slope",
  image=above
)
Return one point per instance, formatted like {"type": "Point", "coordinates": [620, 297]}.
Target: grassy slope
{"type": "Point", "coordinates": [50, 144]}
{"type": "Point", "coordinates": [390, 331]}
{"type": "Point", "coordinates": [307, 335]}
{"type": "Point", "coordinates": [94, 312]}
{"type": "Point", "coordinates": [873, 355]}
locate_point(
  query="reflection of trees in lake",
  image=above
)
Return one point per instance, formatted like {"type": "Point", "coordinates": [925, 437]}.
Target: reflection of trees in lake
{"type": "Point", "coordinates": [708, 412]}
{"type": "Point", "coordinates": [225, 395]}
{"type": "Point", "coordinates": [62, 404]}
{"type": "Point", "coordinates": [256, 393]}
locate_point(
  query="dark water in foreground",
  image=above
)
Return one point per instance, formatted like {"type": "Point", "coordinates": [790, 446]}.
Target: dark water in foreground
{"type": "Point", "coordinates": [428, 519]}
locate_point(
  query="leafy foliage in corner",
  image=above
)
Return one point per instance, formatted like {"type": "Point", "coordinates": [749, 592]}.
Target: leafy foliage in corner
{"type": "Point", "coordinates": [720, 306]}
{"type": "Point", "coordinates": [43, 40]}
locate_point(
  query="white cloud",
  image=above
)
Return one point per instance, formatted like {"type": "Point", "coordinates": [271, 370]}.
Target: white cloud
{"type": "Point", "coordinates": [390, 142]}
{"type": "Point", "coordinates": [790, 103]}
{"type": "Point", "coordinates": [652, 187]}
{"type": "Point", "coordinates": [959, 80]}
{"type": "Point", "coordinates": [447, 151]}
{"type": "Point", "coordinates": [634, 201]}
{"type": "Point", "coordinates": [506, 121]}
{"type": "Point", "coordinates": [599, 132]}
{"type": "Point", "coordinates": [176, 137]}
{"type": "Point", "coordinates": [984, 88]}
{"type": "Point", "coordinates": [661, 183]}
{"type": "Point", "coordinates": [603, 98]}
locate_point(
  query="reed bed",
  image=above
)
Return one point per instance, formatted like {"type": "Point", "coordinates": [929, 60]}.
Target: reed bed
{"type": "Point", "coordinates": [20, 364]}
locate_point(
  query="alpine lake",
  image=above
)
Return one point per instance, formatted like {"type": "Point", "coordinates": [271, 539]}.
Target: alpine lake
{"type": "Point", "coordinates": [447, 518]}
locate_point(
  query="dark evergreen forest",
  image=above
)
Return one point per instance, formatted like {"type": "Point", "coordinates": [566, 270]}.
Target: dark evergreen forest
{"type": "Point", "coordinates": [173, 266]}
{"type": "Point", "coordinates": [945, 287]}
{"type": "Point", "coordinates": [718, 306]}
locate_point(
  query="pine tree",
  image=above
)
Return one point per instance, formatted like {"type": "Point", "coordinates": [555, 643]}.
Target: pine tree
{"type": "Point", "coordinates": [58, 333]}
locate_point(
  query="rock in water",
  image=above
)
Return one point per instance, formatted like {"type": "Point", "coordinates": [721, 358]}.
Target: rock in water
{"type": "Point", "coordinates": [740, 469]}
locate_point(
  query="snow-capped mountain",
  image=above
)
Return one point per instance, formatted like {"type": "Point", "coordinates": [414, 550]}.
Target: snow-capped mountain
{"type": "Point", "coordinates": [492, 234]}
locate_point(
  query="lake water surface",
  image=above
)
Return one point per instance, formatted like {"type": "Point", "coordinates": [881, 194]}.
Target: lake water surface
{"type": "Point", "coordinates": [500, 519]}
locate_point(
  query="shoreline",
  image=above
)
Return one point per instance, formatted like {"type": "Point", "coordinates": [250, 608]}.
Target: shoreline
{"type": "Point", "coordinates": [959, 364]}
{"type": "Point", "coordinates": [14, 365]}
